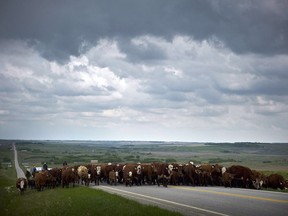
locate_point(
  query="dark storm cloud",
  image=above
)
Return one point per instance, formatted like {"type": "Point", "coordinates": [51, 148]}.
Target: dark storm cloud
{"type": "Point", "coordinates": [57, 28]}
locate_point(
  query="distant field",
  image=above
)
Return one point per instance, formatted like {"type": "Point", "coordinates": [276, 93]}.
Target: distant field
{"type": "Point", "coordinates": [260, 156]}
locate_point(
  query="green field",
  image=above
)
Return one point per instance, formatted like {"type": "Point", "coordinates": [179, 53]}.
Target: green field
{"type": "Point", "coordinates": [260, 156]}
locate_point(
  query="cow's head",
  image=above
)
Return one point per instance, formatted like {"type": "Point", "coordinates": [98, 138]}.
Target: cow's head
{"type": "Point", "coordinates": [282, 185]}
{"type": "Point", "coordinates": [98, 170]}
{"type": "Point", "coordinates": [170, 168]}
{"type": "Point", "coordinates": [223, 170]}
{"type": "Point", "coordinates": [130, 173]}
{"type": "Point", "coordinates": [138, 168]}
{"type": "Point", "coordinates": [257, 184]}
{"type": "Point", "coordinates": [22, 184]}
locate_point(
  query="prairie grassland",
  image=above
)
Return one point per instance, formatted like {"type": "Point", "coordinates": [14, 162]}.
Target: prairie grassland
{"type": "Point", "coordinates": [260, 156]}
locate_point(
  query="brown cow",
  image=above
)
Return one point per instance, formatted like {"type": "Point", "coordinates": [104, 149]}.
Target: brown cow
{"type": "Point", "coordinates": [106, 168]}
{"type": "Point", "coordinates": [132, 174]}
{"type": "Point", "coordinates": [243, 176]}
{"type": "Point", "coordinates": [190, 174]}
{"type": "Point", "coordinates": [227, 179]}
{"type": "Point", "coordinates": [163, 171]}
{"type": "Point", "coordinates": [176, 176]}
{"type": "Point", "coordinates": [56, 173]}
{"type": "Point", "coordinates": [148, 174]}
{"type": "Point", "coordinates": [209, 174]}
{"type": "Point", "coordinates": [69, 175]}
{"type": "Point", "coordinates": [113, 177]}
{"type": "Point", "coordinates": [43, 179]}
{"type": "Point", "coordinates": [275, 181]}
{"type": "Point", "coordinates": [217, 174]}
{"type": "Point", "coordinates": [258, 179]}
{"type": "Point", "coordinates": [21, 185]}
{"type": "Point", "coordinates": [205, 176]}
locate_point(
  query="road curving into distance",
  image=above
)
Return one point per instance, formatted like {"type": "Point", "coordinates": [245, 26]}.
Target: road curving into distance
{"type": "Point", "coordinates": [19, 171]}
{"type": "Point", "coordinates": [190, 200]}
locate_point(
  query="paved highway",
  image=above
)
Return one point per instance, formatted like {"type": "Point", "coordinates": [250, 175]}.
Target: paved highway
{"type": "Point", "coordinates": [19, 171]}
{"type": "Point", "coordinates": [206, 200]}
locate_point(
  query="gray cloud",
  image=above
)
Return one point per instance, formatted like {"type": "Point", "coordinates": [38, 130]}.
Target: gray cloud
{"type": "Point", "coordinates": [128, 70]}
{"type": "Point", "coordinates": [57, 29]}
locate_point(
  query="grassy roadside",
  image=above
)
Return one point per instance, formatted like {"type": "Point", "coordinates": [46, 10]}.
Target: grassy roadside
{"type": "Point", "coordinates": [59, 201]}
{"type": "Point", "coordinates": [76, 201]}
{"type": "Point", "coordinates": [67, 201]}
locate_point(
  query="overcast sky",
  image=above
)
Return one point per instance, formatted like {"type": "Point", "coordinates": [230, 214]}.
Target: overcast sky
{"type": "Point", "coordinates": [185, 70]}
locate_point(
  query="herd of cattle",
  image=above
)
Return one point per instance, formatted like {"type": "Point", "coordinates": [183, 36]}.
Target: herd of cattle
{"type": "Point", "coordinates": [152, 174]}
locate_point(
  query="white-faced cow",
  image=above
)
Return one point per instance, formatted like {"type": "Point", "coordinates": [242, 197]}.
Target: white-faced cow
{"type": "Point", "coordinates": [21, 185]}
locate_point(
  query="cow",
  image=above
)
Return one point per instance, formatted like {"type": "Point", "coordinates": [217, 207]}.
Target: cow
{"type": "Point", "coordinates": [21, 185]}
{"type": "Point", "coordinates": [44, 179]}
{"type": "Point", "coordinates": [40, 181]}
{"type": "Point", "coordinates": [96, 173]}
{"type": "Point", "coordinates": [163, 171]}
{"type": "Point", "coordinates": [209, 174]}
{"type": "Point", "coordinates": [243, 176]}
{"type": "Point", "coordinates": [275, 181]}
{"type": "Point", "coordinates": [84, 175]}
{"type": "Point", "coordinates": [148, 174]}
{"type": "Point", "coordinates": [216, 174]}
{"type": "Point", "coordinates": [190, 176]}
{"type": "Point", "coordinates": [176, 176]}
{"type": "Point", "coordinates": [132, 174]}
{"type": "Point", "coordinates": [106, 168]}
{"type": "Point", "coordinates": [113, 177]}
{"type": "Point", "coordinates": [31, 183]}
{"type": "Point", "coordinates": [257, 179]}
{"type": "Point", "coordinates": [119, 170]}
{"type": "Point", "coordinates": [227, 179]}
{"type": "Point", "coordinates": [56, 173]}
{"type": "Point", "coordinates": [69, 175]}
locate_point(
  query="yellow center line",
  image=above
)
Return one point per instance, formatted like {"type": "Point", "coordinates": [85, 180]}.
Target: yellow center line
{"type": "Point", "coordinates": [231, 194]}
{"type": "Point", "coordinates": [163, 200]}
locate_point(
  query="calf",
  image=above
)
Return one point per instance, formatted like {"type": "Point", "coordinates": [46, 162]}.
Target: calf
{"type": "Point", "coordinates": [21, 185]}
{"type": "Point", "coordinates": [113, 177]}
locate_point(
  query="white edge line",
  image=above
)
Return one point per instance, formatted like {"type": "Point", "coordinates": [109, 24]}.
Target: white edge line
{"type": "Point", "coordinates": [163, 200]}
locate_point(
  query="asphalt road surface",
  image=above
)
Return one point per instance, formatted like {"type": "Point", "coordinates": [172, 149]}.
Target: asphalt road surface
{"type": "Point", "coordinates": [19, 171]}
{"type": "Point", "coordinates": [206, 200]}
